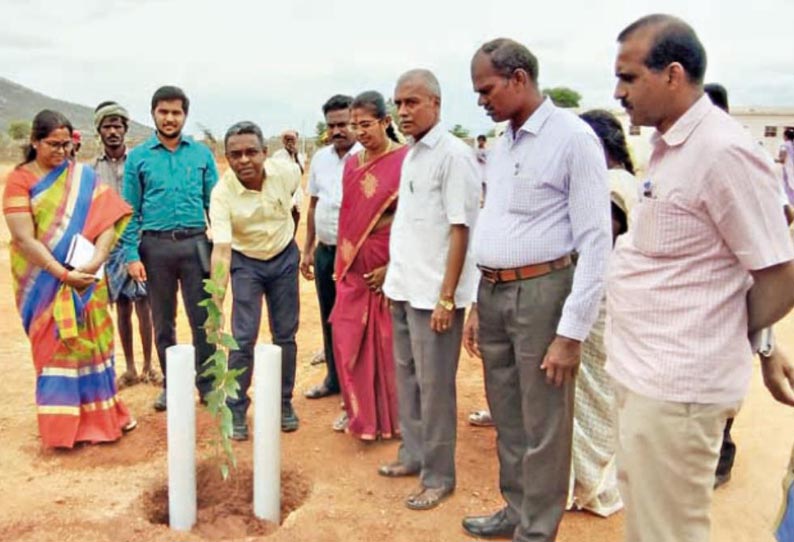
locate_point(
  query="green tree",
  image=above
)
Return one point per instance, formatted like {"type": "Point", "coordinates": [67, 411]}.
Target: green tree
{"type": "Point", "coordinates": [459, 131]}
{"type": "Point", "coordinates": [19, 129]}
{"type": "Point", "coordinates": [563, 96]}
{"type": "Point", "coordinates": [321, 133]}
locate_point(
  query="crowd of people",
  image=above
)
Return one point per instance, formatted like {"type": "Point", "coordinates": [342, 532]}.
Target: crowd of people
{"type": "Point", "coordinates": [616, 318]}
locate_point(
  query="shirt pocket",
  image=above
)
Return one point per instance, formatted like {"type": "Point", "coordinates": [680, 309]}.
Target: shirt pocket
{"type": "Point", "coordinates": [528, 194]}
{"type": "Point", "coordinates": [664, 228]}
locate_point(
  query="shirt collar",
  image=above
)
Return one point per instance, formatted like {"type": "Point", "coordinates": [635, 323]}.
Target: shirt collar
{"type": "Point", "coordinates": [154, 142]}
{"type": "Point", "coordinates": [534, 124]}
{"type": "Point", "coordinates": [432, 137]}
{"type": "Point", "coordinates": [680, 131]}
{"type": "Point", "coordinates": [104, 157]}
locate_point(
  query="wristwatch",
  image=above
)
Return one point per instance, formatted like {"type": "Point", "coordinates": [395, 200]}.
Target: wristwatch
{"type": "Point", "coordinates": [763, 342]}
{"type": "Point", "coordinates": [446, 304]}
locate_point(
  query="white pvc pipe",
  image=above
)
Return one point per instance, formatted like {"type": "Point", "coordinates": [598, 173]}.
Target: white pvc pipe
{"type": "Point", "coordinates": [267, 432]}
{"type": "Point", "coordinates": [181, 376]}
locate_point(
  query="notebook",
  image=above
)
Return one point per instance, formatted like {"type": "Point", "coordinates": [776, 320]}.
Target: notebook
{"type": "Point", "coordinates": [81, 250]}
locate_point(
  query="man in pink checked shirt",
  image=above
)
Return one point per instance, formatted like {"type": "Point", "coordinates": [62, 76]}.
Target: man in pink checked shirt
{"type": "Point", "coordinates": [707, 259]}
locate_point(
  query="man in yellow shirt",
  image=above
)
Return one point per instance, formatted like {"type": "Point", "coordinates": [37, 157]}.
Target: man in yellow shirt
{"type": "Point", "coordinates": [252, 231]}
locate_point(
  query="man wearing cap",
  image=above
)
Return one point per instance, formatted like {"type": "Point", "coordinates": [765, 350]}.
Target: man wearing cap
{"type": "Point", "coordinates": [111, 121]}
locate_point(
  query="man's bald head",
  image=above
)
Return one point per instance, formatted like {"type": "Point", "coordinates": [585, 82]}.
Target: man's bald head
{"type": "Point", "coordinates": [423, 77]}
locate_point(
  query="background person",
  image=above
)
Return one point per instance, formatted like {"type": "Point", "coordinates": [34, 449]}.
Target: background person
{"type": "Point", "coordinates": [111, 121]}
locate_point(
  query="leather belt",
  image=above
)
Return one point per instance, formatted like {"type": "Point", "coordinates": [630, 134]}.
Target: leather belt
{"type": "Point", "coordinates": [175, 235]}
{"type": "Point", "coordinates": [495, 276]}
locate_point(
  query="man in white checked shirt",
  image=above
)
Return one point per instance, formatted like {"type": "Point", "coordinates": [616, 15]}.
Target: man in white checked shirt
{"type": "Point", "coordinates": [547, 197]}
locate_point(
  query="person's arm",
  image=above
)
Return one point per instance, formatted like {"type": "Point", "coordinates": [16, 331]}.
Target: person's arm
{"type": "Point", "coordinates": [771, 297]}
{"type": "Point", "coordinates": [441, 319]}
{"type": "Point", "coordinates": [781, 156]}
{"type": "Point", "coordinates": [591, 226]}
{"type": "Point", "coordinates": [23, 235]}
{"type": "Point", "coordinates": [307, 259]}
{"type": "Point", "coordinates": [460, 191]}
{"type": "Point", "coordinates": [210, 180]}
{"type": "Point", "coordinates": [133, 194]}
{"type": "Point", "coordinates": [221, 229]}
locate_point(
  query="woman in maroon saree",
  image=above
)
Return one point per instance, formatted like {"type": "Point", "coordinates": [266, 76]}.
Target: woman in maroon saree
{"type": "Point", "coordinates": [362, 332]}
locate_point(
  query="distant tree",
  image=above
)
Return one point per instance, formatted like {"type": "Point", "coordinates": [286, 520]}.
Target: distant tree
{"type": "Point", "coordinates": [491, 133]}
{"type": "Point", "coordinates": [459, 131]}
{"type": "Point", "coordinates": [563, 96]}
{"type": "Point", "coordinates": [321, 133]}
{"type": "Point", "coordinates": [209, 138]}
{"type": "Point", "coordinates": [19, 129]}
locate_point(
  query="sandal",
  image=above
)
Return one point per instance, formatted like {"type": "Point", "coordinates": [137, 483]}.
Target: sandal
{"type": "Point", "coordinates": [481, 418]}
{"type": "Point", "coordinates": [427, 498]}
{"type": "Point", "coordinates": [126, 380]}
{"type": "Point", "coordinates": [132, 424]}
{"type": "Point", "coordinates": [340, 423]}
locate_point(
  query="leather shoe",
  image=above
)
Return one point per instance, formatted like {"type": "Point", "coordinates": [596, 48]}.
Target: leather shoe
{"type": "Point", "coordinates": [319, 391]}
{"type": "Point", "coordinates": [160, 404]}
{"type": "Point", "coordinates": [397, 469]}
{"type": "Point", "coordinates": [495, 525]}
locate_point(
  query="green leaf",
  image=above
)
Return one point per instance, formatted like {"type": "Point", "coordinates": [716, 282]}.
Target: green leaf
{"type": "Point", "coordinates": [224, 471]}
{"type": "Point", "coordinates": [234, 373]}
{"type": "Point", "coordinates": [226, 420]}
{"type": "Point", "coordinates": [228, 341]}
{"type": "Point", "coordinates": [205, 302]}
{"type": "Point", "coordinates": [231, 386]}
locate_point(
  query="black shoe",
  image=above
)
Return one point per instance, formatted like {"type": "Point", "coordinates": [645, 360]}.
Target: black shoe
{"type": "Point", "coordinates": [289, 420]}
{"type": "Point", "coordinates": [239, 426]}
{"type": "Point", "coordinates": [495, 525]}
{"type": "Point", "coordinates": [319, 391]}
{"type": "Point", "coordinates": [160, 404]}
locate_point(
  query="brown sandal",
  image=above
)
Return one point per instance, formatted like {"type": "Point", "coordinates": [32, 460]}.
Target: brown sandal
{"type": "Point", "coordinates": [427, 498]}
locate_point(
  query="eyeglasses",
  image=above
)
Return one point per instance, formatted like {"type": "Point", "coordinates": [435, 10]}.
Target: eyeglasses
{"type": "Point", "coordinates": [64, 146]}
{"type": "Point", "coordinates": [364, 124]}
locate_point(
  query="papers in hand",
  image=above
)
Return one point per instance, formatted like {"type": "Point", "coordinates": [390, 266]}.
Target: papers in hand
{"type": "Point", "coordinates": [81, 251]}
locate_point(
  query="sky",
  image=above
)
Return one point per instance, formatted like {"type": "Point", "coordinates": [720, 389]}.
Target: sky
{"type": "Point", "coordinates": [276, 63]}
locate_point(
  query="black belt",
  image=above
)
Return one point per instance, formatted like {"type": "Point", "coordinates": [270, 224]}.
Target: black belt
{"type": "Point", "coordinates": [326, 245]}
{"type": "Point", "coordinates": [175, 235]}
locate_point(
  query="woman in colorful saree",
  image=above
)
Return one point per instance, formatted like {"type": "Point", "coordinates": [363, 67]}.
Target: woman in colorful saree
{"type": "Point", "coordinates": [361, 320]}
{"type": "Point", "coordinates": [48, 200]}
{"type": "Point", "coordinates": [594, 485]}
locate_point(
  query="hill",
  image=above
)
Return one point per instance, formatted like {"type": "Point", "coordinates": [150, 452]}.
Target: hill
{"type": "Point", "coordinates": [21, 103]}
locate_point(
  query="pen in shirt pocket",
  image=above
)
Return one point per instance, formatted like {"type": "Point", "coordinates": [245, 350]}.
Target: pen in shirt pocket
{"type": "Point", "coordinates": [647, 188]}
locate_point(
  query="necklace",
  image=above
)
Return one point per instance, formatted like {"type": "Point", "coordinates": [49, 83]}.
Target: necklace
{"type": "Point", "coordinates": [367, 157]}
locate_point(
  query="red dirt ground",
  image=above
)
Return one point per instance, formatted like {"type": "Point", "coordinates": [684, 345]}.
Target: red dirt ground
{"type": "Point", "coordinates": [99, 493]}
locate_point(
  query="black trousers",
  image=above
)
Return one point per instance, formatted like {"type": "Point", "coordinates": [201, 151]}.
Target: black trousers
{"type": "Point", "coordinates": [171, 265]}
{"type": "Point", "coordinates": [324, 256]}
{"type": "Point", "coordinates": [277, 281]}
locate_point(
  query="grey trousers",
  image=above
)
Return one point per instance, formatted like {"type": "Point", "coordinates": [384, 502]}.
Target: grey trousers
{"type": "Point", "coordinates": [533, 419]}
{"type": "Point", "coordinates": [426, 364]}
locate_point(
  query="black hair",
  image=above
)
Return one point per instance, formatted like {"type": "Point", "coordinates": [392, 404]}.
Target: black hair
{"type": "Point", "coordinates": [482, 137]}
{"type": "Point", "coordinates": [44, 123]}
{"type": "Point", "coordinates": [674, 41]}
{"type": "Point", "coordinates": [168, 93]}
{"type": "Point", "coordinates": [718, 95]}
{"type": "Point", "coordinates": [788, 133]}
{"type": "Point", "coordinates": [242, 128]}
{"type": "Point", "coordinates": [508, 55]}
{"type": "Point", "coordinates": [337, 102]}
{"type": "Point", "coordinates": [610, 132]}
{"type": "Point", "coordinates": [373, 101]}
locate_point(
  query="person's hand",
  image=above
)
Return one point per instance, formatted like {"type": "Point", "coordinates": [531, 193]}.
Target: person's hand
{"type": "Point", "coordinates": [137, 271]}
{"type": "Point", "coordinates": [79, 280]}
{"type": "Point", "coordinates": [375, 278]}
{"type": "Point", "coordinates": [441, 319]}
{"type": "Point", "coordinates": [471, 332]}
{"type": "Point", "coordinates": [90, 268]}
{"type": "Point", "coordinates": [778, 374]}
{"type": "Point", "coordinates": [307, 265]}
{"type": "Point", "coordinates": [561, 361]}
